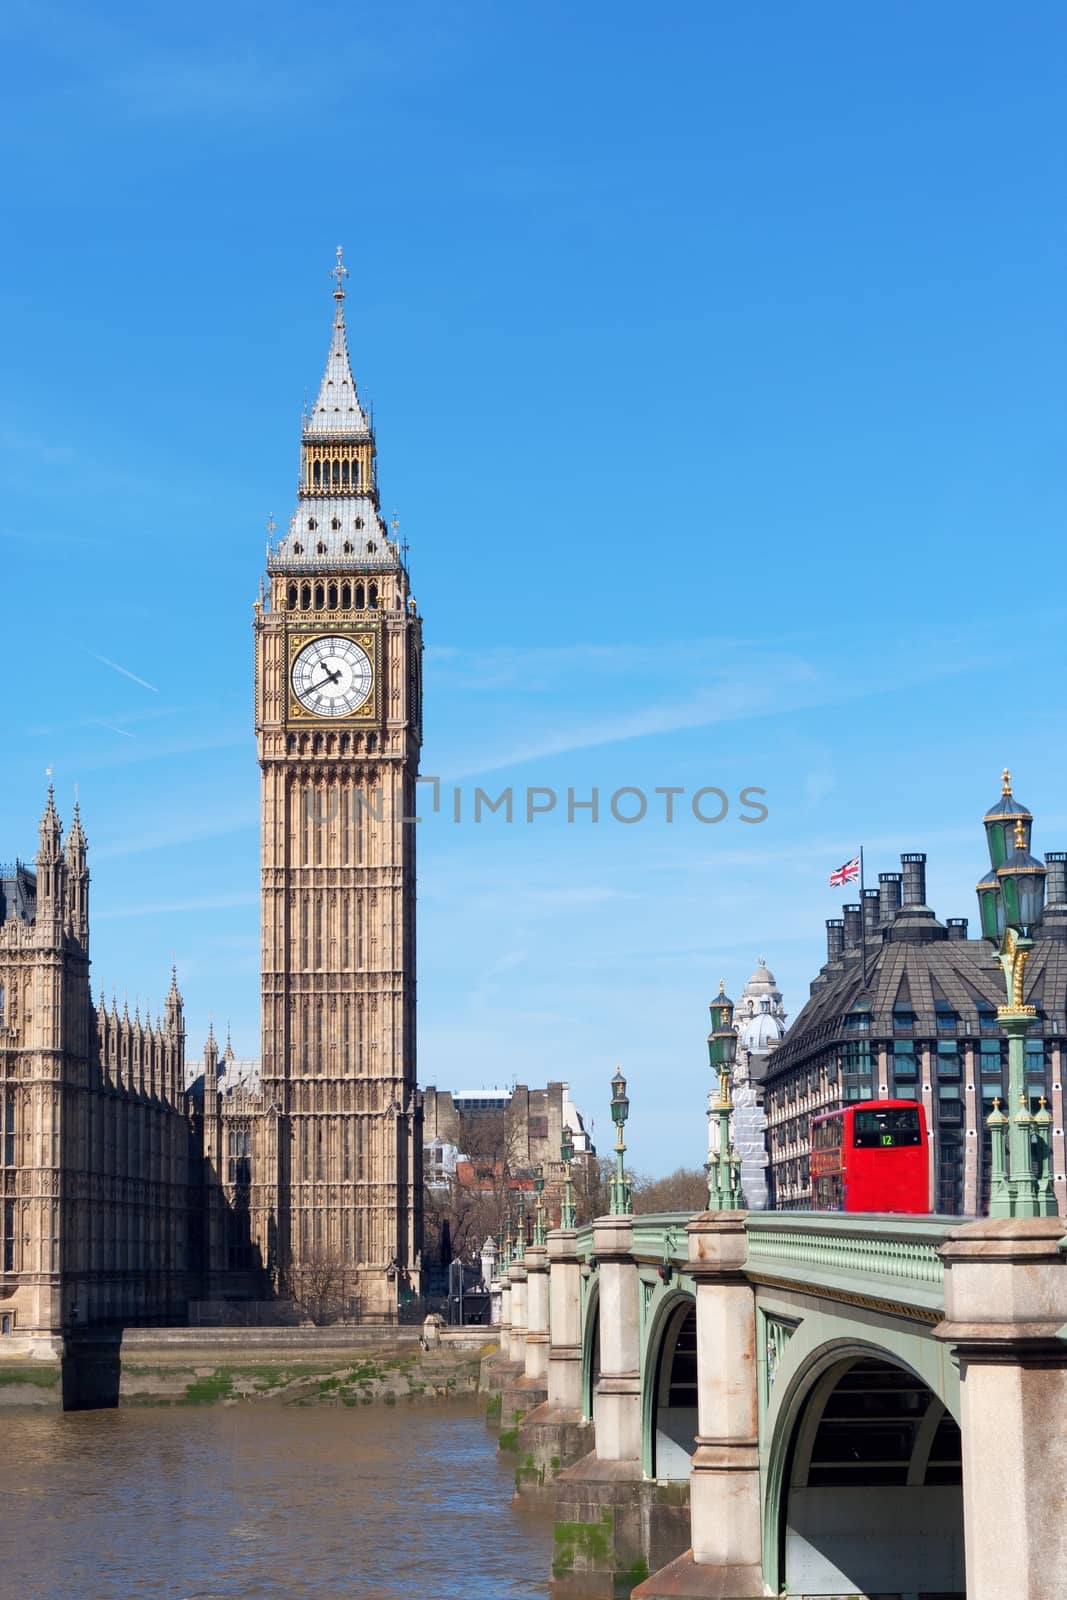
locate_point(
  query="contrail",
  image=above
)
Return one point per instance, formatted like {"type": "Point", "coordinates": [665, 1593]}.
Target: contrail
{"type": "Point", "coordinates": [125, 673]}
{"type": "Point", "coordinates": [111, 726]}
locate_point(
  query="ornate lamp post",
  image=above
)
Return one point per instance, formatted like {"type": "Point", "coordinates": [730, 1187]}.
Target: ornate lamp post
{"type": "Point", "coordinates": [621, 1197]}
{"type": "Point", "coordinates": [566, 1155]}
{"type": "Point", "coordinates": [724, 1167]}
{"type": "Point", "coordinates": [1011, 901]}
{"type": "Point", "coordinates": [520, 1226]}
{"type": "Point", "coordinates": [539, 1206]}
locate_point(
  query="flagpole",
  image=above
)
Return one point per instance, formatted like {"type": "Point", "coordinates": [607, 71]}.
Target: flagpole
{"type": "Point", "coordinates": [863, 923]}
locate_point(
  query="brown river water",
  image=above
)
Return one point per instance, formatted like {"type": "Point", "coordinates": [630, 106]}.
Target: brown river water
{"type": "Point", "coordinates": [263, 1502]}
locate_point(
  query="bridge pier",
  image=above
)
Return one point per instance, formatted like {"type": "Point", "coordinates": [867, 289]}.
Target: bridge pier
{"type": "Point", "coordinates": [514, 1402]}
{"type": "Point", "coordinates": [555, 1434]}
{"type": "Point", "coordinates": [497, 1369]}
{"type": "Point", "coordinates": [1005, 1317]}
{"type": "Point", "coordinates": [725, 1558]}
{"type": "Point", "coordinates": [613, 1525]}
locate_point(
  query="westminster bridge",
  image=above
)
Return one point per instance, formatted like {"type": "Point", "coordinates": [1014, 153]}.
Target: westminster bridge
{"type": "Point", "coordinates": [751, 1404]}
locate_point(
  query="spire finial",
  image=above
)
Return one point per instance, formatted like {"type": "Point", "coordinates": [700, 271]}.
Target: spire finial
{"type": "Point", "coordinates": [1005, 779]}
{"type": "Point", "coordinates": [340, 272]}
{"type": "Point", "coordinates": [1020, 834]}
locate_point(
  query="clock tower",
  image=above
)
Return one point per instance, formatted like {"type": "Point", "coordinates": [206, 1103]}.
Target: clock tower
{"type": "Point", "coordinates": [337, 1199]}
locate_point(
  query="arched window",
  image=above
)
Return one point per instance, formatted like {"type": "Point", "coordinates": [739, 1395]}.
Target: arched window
{"type": "Point", "coordinates": [372, 743]}
{"type": "Point", "coordinates": [346, 596]}
{"type": "Point", "coordinates": [336, 472]}
{"type": "Point", "coordinates": [333, 597]}
{"type": "Point", "coordinates": [355, 473]}
{"type": "Point", "coordinates": [316, 475]}
{"type": "Point", "coordinates": [316, 746]}
{"type": "Point", "coordinates": [344, 472]}
{"type": "Point", "coordinates": [320, 597]}
{"type": "Point", "coordinates": [305, 597]}
{"type": "Point", "coordinates": [291, 597]}
{"type": "Point", "coordinates": [361, 597]}
{"type": "Point", "coordinates": [373, 600]}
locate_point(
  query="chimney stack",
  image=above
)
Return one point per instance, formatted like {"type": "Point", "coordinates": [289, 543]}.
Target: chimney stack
{"type": "Point", "coordinates": [914, 865]}
{"type": "Point", "coordinates": [888, 895]}
{"type": "Point", "coordinates": [1056, 882]}
{"type": "Point", "coordinates": [853, 927]}
{"type": "Point", "coordinates": [957, 928]}
{"type": "Point", "coordinates": [870, 899]}
{"type": "Point", "coordinates": [835, 938]}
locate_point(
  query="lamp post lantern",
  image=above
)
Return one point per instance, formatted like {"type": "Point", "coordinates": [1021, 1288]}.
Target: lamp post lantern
{"type": "Point", "coordinates": [621, 1194]}
{"type": "Point", "coordinates": [724, 1165]}
{"type": "Point", "coordinates": [566, 1155]}
{"type": "Point", "coordinates": [1011, 901]}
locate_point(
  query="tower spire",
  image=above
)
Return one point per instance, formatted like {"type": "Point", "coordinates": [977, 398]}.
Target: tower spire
{"type": "Point", "coordinates": [340, 272]}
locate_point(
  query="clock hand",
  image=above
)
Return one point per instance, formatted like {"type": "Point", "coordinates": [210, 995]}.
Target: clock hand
{"type": "Point", "coordinates": [331, 677]}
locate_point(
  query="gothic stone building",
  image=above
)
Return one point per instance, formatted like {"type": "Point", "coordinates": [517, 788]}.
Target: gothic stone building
{"type": "Point", "coordinates": [94, 1156]}
{"type": "Point", "coordinates": [919, 1024]}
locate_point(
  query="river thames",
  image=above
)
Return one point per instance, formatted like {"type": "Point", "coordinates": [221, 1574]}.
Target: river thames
{"type": "Point", "coordinates": [264, 1502]}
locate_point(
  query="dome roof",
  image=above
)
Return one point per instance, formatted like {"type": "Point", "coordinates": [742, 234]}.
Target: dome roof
{"type": "Point", "coordinates": [761, 1032]}
{"type": "Point", "coordinates": [762, 981]}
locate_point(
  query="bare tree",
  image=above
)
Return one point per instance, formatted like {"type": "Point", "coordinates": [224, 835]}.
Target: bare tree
{"type": "Point", "coordinates": [477, 1198]}
{"type": "Point", "coordinates": [685, 1189]}
{"type": "Point", "coordinates": [322, 1287]}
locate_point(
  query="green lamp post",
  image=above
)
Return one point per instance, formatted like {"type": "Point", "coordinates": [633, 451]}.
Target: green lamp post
{"type": "Point", "coordinates": [724, 1166]}
{"type": "Point", "coordinates": [621, 1196]}
{"type": "Point", "coordinates": [539, 1206]}
{"type": "Point", "coordinates": [520, 1226]}
{"type": "Point", "coordinates": [566, 1155]}
{"type": "Point", "coordinates": [1011, 901]}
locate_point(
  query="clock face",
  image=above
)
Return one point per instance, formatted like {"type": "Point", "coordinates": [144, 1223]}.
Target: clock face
{"type": "Point", "coordinates": [332, 676]}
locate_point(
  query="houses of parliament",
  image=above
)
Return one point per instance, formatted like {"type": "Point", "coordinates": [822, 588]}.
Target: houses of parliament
{"type": "Point", "coordinates": [131, 1184]}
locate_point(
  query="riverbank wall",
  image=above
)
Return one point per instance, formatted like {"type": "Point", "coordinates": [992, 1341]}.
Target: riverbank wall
{"type": "Point", "coordinates": [360, 1365]}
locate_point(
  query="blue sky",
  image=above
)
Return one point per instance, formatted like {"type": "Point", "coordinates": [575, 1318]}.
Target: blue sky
{"type": "Point", "coordinates": [717, 359]}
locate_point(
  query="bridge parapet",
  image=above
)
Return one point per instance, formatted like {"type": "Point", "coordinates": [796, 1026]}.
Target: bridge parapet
{"type": "Point", "coordinates": [881, 1261]}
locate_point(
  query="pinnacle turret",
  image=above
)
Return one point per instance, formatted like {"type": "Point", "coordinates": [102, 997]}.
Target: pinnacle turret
{"type": "Point", "coordinates": [50, 828]}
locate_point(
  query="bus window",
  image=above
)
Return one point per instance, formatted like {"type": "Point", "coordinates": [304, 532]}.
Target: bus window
{"type": "Point", "coordinates": [886, 1130]}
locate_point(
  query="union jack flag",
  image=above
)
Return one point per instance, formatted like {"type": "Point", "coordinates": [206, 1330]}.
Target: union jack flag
{"type": "Point", "coordinates": [845, 874]}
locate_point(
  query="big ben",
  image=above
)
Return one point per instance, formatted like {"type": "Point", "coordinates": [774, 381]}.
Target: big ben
{"type": "Point", "coordinates": [338, 724]}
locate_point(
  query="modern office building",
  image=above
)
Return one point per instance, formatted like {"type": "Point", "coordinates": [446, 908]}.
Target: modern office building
{"type": "Point", "coordinates": [905, 1006]}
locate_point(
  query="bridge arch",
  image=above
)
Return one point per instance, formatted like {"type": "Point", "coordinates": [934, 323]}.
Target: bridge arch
{"type": "Point", "coordinates": [591, 1350]}
{"type": "Point", "coordinates": [669, 1388]}
{"type": "Point", "coordinates": [864, 1479]}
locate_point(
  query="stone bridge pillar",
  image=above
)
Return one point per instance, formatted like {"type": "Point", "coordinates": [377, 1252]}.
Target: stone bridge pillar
{"type": "Point", "coordinates": [726, 1559]}
{"type": "Point", "coordinates": [1005, 1315]}
{"type": "Point", "coordinates": [555, 1435]}
{"type": "Point", "coordinates": [618, 1395]}
{"type": "Point", "coordinates": [537, 1317]}
{"type": "Point", "coordinates": [565, 1322]}
{"type": "Point", "coordinates": [517, 1274]}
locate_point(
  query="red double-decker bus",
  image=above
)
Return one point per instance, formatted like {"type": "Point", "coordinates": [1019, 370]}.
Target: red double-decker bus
{"type": "Point", "coordinates": [870, 1156]}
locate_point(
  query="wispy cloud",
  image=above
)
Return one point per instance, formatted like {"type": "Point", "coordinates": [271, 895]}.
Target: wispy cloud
{"type": "Point", "coordinates": [126, 673]}
{"type": "Point", "coordinates": [757, 688]}
{"type": "Point", "coordinates": [182, 830]}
